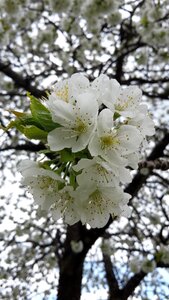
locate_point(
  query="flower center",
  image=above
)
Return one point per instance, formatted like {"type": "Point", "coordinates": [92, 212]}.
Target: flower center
{"type": "Point", "coordinates": [63, 93]}
{"type": "Point", "coordinates": [122, 105]}
{"type": "Point", "coordinates": [96, 197]}
{"type": "Point", "coordinates": [47, 183]}
{"type": "Point", "coordinates": [108, 141]}
{"type": "Point", "coordinates": [80, 127]}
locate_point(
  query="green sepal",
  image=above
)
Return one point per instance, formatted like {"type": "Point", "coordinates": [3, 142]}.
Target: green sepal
{"type": "Point", "coordinates": [41, 114]}
{"type": "Point", "coordinates": [72, 179]}
{"type": "Point", "coordinates": [66, 155]}
{"type": "Point", "coordinates": [116, 116]}
{"type": "Point", "coordinates": [61, 185]}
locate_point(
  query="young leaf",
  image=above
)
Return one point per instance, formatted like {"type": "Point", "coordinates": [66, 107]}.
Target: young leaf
{"type": "Point", "coordinates": [33, 132]}
{"type": "Point", "coordinates": [41, 114]}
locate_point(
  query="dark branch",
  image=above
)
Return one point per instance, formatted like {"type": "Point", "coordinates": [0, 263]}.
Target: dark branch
{"type": "Point", "coordinates": [133, 282]}
{"type": "Point", "coordinates": [159, 164]}
{"type": "Point", "coordinates": [114, 290]}
{"type": "Point", "coordinates": [20, 81]}
{"type": "Point", "coordinates": [28, 146]}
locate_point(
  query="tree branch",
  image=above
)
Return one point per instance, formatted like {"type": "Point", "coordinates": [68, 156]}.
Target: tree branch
{"type": "Point", "coordinates": [133, 282]}
{"type": "Point", "coordinates": [114, 290]}
{"type": "Point", "coordinates": [28, 146]}
{"type": "Point", "coordinates": [159, 164]}
{"type": "Point", "coordinates": [20, 81]}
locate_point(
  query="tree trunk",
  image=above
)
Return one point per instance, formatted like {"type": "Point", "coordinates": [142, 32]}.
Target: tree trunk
{"type": "Point", "coordinates": [71, 270]}
{"type": "Point", "coordinates": [71, 265]}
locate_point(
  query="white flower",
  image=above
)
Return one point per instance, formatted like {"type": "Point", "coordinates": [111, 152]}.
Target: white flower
{"type": "Point", "coordinates": [107, 247]}
{"type": "Point", "coordinates": [132, 160]}
{"type": "Point", "coordinates": [78, 123]}
{"type": "Point", "coordinates": [95, 170]}
{"type": "Point", "coordinates": [106, 90]}
{"type": "Point", "coordinates": [65, 206]}
{"type": "Point", "coordinates": [99, 171]}
{"type": "Point", "coordinates": [113, 143]}
{"type": "Point", "coordinates": [148, 265]}
{"type": "Point", "coordinates": [68, 90]}
{"type": "Point", "coordinates": [163, 254]}
{"type": "Point", "coordinates": [42, 183]}
{"type": "Point", "coordinates": [76, 246]}
{"type": "Point", "coordinates": [135, 265]}
{"type": "Point", "coordinates": [143, 122]}
{"type": "Point", "coordinates": [97, 203]}
{"type": "Point", "coordinates": [127, 101]}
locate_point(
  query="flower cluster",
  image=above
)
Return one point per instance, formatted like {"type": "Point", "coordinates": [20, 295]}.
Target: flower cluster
{"type": "Point", "coordinates": [99, 129]}
{"type": "Point", "coordinates": [146, 265]}
{"type": "Point", "coordinates": [163, 254]}
{"type": "Point", "coordinates": [151, 28]}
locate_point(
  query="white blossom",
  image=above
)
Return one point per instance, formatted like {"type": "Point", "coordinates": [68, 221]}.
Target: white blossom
{"type": "Point", "coordinates": [76, 246]}
{"type": "Point", "coordinates": [95, 170]}
{"type": "Point", "coordinates": [127, 101]}
{"type": "Point", "coordinates": [106, 90]}
{"type": "Point", "coordinates": [143, 122]}
{"type": "Point", "coordinates": [101, 172]}
{"type": "Point", "coordinates": [98, 203]}
{"type": "Point", "coordinates": [148, 265]}
{"type": "Point", "coordinates": [42, 183]}
{"type": "Point", "coordinates": [65, 206]}
{"type": "Point", "coordinates": [77, 123]}
{"type": "Point", "coordinates": [163, 254]}
{"type": "Point", "coordinates": [107, 247]}
{"type": "Point", "coordinates": [67, 90]}
{"type": "Point", "coordinates": [135, 265]}
{"type": "Point", "coordinates": [113, 143]}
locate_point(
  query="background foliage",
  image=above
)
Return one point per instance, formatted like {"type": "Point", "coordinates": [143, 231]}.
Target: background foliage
{"type": "Point", "coordinates": [46, 41]}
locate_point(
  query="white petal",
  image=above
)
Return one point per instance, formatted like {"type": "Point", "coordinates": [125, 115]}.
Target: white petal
{"type": "Point", "coordinates": [61, 138]}
{"type": "Point", "coordinates": [62, 112]}
{"type": "Point", "coordinates": [88, 105]}
{"type": "Point", "coordinates": [130, 138]}
{"type": "Point", "coordinates": [105, 121]}
{"type": "Point", "coordinates": [83, 163]}
{"type": "Point", "coordinates": [26, 167]}
{"type": "Point", "coordinates": [94, 145]}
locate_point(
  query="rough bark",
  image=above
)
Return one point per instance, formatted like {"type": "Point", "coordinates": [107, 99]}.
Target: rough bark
{"type": "Point", "coordinates": [114, 291]}
{"type": "Point", "coordinates": [71, 264]}
{"type": "Point", "coordinates": [71, 270]}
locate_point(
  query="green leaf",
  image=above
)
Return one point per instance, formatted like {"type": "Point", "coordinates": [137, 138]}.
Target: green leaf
{"type": "Point", "coordinates": [23, 119]}
{"type": "Point", "coordinates": [17, 124]}
{"type": "Point", "coordinates": [41, 114]}
{"type": "Point", "coordinates": [33, 132]}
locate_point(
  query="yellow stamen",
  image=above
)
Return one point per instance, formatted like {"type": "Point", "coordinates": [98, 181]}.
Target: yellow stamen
{"type": "Point", "coordinates": [63, 93]}
{"type": "Point", "coordinates": [108, 141]}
